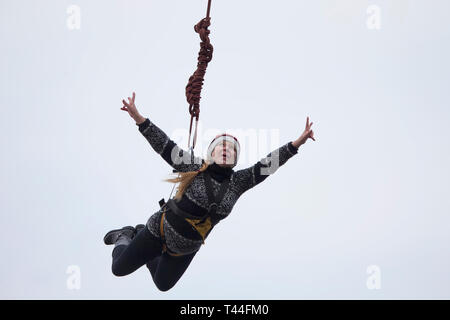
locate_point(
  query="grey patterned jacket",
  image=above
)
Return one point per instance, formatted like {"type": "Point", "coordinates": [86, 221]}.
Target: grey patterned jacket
{"type": "Point", "coordinates": [181, 237]}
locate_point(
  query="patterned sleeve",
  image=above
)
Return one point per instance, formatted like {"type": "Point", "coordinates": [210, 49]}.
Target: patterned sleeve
{"type": "Point", "coordinates": [249, 177]}
{"type": "Point", "coordinates": [176, 157]}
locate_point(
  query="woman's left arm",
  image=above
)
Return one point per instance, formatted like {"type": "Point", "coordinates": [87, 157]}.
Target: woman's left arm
{"type": "Point", "coordinates": [249, 177]}
{"type": "Point", "coordinates": [308, 133]}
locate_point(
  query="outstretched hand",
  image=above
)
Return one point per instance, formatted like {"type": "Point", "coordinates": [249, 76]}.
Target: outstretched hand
{"type": "Point", "coordinates": [130, 107]}
{"type": "Point", "coordinates": [307, 134]}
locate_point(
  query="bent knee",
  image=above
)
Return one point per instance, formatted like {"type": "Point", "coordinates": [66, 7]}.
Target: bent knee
{"type": "Point", "coordinates": [118, 272]}
{"type": "Point", "coordinates": [164, 286]}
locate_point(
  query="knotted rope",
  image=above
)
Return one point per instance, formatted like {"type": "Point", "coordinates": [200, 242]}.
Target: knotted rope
{"type": "Point", "coordinates": [194, 86]}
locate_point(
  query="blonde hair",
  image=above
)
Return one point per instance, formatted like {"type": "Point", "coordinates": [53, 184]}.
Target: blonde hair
{"type": "Point", "coordinates": [185, 179]}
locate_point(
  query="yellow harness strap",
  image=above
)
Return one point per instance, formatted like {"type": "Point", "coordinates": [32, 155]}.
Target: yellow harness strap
{"type": "Point", "coordinates": [202, 228]}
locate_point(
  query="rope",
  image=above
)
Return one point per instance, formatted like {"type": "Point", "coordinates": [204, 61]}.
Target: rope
{"type": "Point", "coordinates": [194, 86]}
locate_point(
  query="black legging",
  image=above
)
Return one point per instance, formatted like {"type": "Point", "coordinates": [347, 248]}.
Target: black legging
{"type": "Point", "coordinates": [145, 248]}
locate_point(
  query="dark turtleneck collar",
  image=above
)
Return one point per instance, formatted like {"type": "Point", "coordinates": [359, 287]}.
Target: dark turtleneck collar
{"type": "Point", "coordinates": [219, 173]}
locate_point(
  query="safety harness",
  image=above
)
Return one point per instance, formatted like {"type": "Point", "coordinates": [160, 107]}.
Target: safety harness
{"type": "Point", "coordinates": [204, 224]}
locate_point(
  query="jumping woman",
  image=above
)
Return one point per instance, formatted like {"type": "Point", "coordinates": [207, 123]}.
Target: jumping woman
{"type": "Point", "coordinates": [207, 191]}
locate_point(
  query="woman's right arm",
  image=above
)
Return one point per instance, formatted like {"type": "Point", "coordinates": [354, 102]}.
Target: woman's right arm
{"type": "Point", "coordinates": [176, 157]}
{"type": "Point", "coordinates": [139, 120]}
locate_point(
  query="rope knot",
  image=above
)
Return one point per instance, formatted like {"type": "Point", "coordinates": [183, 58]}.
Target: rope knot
{"type": "Point", "coordinates": [195, 83]}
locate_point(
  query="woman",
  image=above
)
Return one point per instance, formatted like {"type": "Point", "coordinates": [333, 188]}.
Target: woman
{"type": "Point", "coordinates": [206, 194]}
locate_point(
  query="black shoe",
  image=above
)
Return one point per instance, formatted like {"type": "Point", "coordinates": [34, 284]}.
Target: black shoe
{"type": "Point", "coordinates": [139, 227]}
{"type": "Point", "coordinates": [112, 236]}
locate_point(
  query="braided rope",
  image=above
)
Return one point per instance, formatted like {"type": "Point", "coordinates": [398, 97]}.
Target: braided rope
{"type": "Point", "coordinates": [195, 83]}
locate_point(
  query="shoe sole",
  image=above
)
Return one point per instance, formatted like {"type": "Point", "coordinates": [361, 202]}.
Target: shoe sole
{"type": "Point", "coordinates": [108, 238]}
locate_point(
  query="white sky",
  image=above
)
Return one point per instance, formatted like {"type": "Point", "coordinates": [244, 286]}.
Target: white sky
{"type": "Point", "coordinates": [372, 190]}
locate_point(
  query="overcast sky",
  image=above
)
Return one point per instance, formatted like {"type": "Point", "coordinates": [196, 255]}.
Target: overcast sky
{"type": "Point", "coordinates": [361, 213]}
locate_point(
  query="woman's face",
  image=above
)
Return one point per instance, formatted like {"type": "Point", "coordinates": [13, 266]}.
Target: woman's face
{"type": "Point", "coordinates": [224, 154]}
